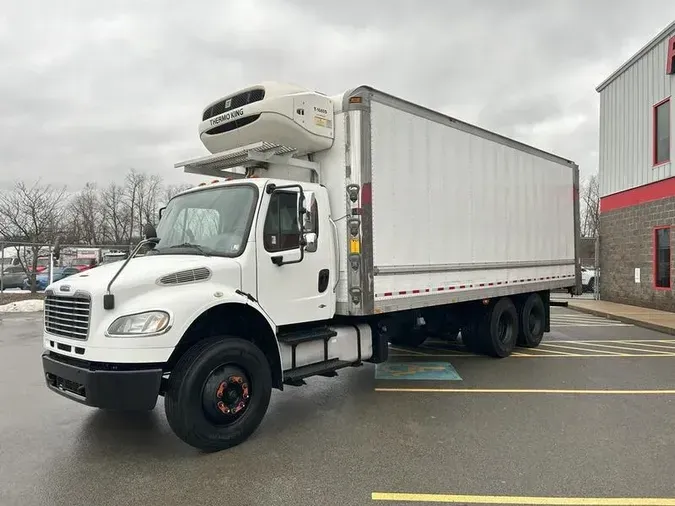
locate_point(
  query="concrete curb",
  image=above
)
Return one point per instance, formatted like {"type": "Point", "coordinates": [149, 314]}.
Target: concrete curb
{"type": "Point", "coordinates": [625, 319]}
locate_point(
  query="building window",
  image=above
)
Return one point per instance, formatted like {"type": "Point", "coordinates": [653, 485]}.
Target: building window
{"type": "Point", "coordinates": [662, 257]}
{"type": "Point", "coordinates": [662, 132]}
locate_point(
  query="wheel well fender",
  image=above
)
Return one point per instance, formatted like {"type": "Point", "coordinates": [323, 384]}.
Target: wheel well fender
{"type": "Point", "coordinates": [234, 319]}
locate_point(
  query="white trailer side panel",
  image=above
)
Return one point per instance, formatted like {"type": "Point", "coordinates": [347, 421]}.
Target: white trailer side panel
{"type": "Point", "coordinates": [458, 216]}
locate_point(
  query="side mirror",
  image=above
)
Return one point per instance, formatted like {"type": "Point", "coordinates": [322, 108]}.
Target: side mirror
{"type": "Point", "coordinates": [311, 242]}
{"type": "Point", "coordinates": [309, 225]}
{"type": "Point", "coordinates": [149, 231]}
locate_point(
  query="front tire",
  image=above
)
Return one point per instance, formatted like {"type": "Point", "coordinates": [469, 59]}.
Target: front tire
{"type": "Point", "coordinates": [218, 393]}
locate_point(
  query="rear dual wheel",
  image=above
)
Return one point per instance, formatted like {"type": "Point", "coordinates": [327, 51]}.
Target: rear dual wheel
{"type": "Point", "coordinates": [493, 330]}
{"type": "Point", "coordinates": [218, 393]}
{"type": "Point", "coordinates": [532, 317]}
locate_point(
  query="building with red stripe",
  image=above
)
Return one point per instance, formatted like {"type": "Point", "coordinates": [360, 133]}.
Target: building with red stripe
{"type": "Point", "coordinates": [637, 178]}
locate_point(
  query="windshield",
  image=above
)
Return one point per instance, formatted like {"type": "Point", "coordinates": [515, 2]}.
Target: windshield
{"type": "Point", "coordinates": [211, 222]}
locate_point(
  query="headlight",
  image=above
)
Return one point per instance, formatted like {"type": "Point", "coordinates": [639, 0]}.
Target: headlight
{"type": "Point", "coordinates": [151, 322]}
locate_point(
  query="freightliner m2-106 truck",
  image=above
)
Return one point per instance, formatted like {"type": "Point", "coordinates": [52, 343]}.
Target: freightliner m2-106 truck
{"type": "Point", "coordinates": [336, 225]}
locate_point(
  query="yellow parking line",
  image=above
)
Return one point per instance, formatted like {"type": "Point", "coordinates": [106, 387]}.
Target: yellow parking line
{"type": "Point", "coordinates": [508, 499]}
{"type": "Point", "coordinates": [525, 391]}
{"type": "Point", "coordinates": [671, 348]}
{"type": "Point", "coordinates": [522, 355]}
{"type": "Point", "coordinates": [616, 341]}
{"type": "Point", "coordinates": [557, 352]}
{"type": "Point", "coordinates": [586, 349]}
{"type": "Point", "coordinates": [605, 355]}
{"type": "Point", "coordinates": [635, 348]}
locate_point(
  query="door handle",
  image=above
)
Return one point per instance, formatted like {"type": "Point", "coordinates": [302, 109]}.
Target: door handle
{"type": "Point", "coordinates": [324, 276]}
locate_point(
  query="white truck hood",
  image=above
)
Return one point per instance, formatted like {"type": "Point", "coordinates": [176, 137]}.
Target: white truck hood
{"type": "Point", "coordinates": [142, 273]}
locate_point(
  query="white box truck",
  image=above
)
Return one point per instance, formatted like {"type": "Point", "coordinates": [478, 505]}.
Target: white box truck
{"type": "Point", "coordinates": [336, 225]}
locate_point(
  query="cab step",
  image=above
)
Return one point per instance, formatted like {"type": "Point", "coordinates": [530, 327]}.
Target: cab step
{"type": "Point", "coordinates": [303, 336]}
{"type": "Point", "coordinates": [327, 368]}
{"type": "Point", "coordinates": [293, 339]}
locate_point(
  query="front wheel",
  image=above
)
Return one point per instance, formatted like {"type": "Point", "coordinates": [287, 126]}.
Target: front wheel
{"type": "Point", "coordinates": [218, 393]}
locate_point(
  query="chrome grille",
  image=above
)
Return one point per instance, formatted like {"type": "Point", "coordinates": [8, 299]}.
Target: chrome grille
{"type": "Point", "coordinates": [67, 316]}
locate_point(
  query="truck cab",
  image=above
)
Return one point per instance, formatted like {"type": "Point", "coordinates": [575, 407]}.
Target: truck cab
{"type": "Point", "coordinates": [268, 239]}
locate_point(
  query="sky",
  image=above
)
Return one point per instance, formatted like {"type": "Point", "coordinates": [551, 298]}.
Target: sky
{"type": "Point", "coordinates": [89, 90]}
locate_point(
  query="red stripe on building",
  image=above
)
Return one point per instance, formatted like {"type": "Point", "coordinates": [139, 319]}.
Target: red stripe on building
{"type": "Point", "coordinates": [451, 288]}
{"type": "Point", "coordinates": [462, 286]}
{"type": "Point", "coordinates": [388, 294]}
{"type": "Point", "coordinates": [402, 292]}
{"type": "Point", "coordinates": [640, 195]}
{"type": "Point", "coordinates": [415, 291]}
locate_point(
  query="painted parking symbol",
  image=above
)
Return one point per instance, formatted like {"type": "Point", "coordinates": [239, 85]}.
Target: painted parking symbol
{"type": "Point", "coordinates": [430, 371]}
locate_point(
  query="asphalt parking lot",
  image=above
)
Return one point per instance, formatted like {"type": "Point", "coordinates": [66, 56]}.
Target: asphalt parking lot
{"type": "Point", "coordinates": [586, 418]}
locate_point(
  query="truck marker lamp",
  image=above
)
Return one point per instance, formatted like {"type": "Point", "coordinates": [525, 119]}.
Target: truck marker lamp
{"type": "Point", "coordinates": [141, 324]}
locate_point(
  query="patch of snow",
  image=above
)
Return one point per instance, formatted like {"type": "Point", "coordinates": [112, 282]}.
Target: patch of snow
{"type": "Point", "coordinates": [23, 306]}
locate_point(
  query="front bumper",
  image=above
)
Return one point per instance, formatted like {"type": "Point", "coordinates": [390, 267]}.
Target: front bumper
{"type": "Point", "coordinates": [107, 386]}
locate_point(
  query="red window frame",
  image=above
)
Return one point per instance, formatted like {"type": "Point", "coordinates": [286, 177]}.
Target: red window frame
{"type": "Point", "coordinates": [655, 257]}
{"type": "Point", "coordinates": [654, 138]}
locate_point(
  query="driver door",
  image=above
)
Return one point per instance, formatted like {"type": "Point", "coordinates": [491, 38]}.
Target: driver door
{"type": "Point", "coordinates": [297, 291]}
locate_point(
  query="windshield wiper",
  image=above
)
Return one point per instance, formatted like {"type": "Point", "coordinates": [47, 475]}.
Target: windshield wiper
{"type": "Point", "coordinates": [193, 246]}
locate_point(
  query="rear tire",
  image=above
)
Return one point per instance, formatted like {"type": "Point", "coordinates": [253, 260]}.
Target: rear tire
{"type": "Point", "coordinates": [532, 322]}
{"type": "Point", "coordinates": [498, 329]}
{"type": "Point", "coordinates": [591, 285]}
{"type": "Point", "coordinates": [218, 393]}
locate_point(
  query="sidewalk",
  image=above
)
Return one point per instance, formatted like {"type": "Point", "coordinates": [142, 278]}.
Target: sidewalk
{"type": "Point", "coordinates": [653, 319]}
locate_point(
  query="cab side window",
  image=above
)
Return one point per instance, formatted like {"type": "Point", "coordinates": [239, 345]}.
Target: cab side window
{"type": "Point", "coordinates": [282, 231]}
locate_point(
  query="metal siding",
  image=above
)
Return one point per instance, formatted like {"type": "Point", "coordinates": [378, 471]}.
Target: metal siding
{"type": "Point", "coordinates": [626, 123]}
{"type": "Point", "coordinates": [442, 196]}
{"type": "Point", "coordinates": [332, 176]}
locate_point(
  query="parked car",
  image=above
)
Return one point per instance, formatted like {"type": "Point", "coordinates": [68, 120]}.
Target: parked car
{"type": "Point", "coordinates": [42, 279]}
{"type": "Point", "coordinates": [588, 279]}
{"type": "Point", "coordinates": [12, 277]}
{"type": "Point", "coordinates": [82, 264]}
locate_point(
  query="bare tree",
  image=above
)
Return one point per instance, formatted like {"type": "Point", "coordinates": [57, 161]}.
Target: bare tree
{"type": "Point", "coordinates": [149, 204]}
{"type": "Point", "coordinates": [32, 213]}
{"type": "Point", "coordinates": [115, 214]}
{"type": "Point", "coordinates": [172, 190]}
{"type": "Point", "coordinates": [87, 215]}
{"type": "Point", "coordinates": [590, 207]}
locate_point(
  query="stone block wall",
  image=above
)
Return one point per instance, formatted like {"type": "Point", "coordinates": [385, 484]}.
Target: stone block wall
{"type": "Point", "coordinates": [627, 242]}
